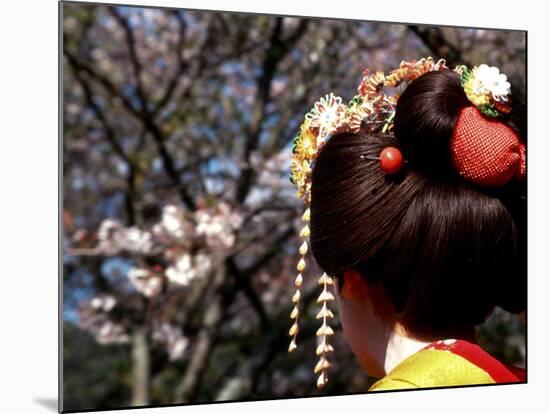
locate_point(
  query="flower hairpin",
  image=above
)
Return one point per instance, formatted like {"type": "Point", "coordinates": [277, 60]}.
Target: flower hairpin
{"type": "Point", "coordinates": [486, 88]}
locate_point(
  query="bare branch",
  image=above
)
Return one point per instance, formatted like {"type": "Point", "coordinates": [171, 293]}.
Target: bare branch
{"type": "Point", "coordinates": [181, 66]}
{"type": "Point", "coordinates": [130, 193]}
{"type": "Point", "coordinates": [275, 52]}
{"type": "Point", "coordinates": [434, 40]}
{"type": "Point", "coordinates": [242, 281]}
{"type": "Point", "coordinates": [136, 65]}
{"type": "Point", "coordinates": [269, 253]}
{"type": "Point", "coordinates": [102, 80]}
{"type": "Point", "coordinates": [148, 123]}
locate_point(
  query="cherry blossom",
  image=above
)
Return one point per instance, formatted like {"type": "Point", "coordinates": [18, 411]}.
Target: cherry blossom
{"type": "Point", "coordinates": [173, 340]}
{"type": "Point", "coordinates": [146, 282]}
{"type": "Point", "coordinates": [186, 268]}
{"type": "Point", "coordinates": [218, 225]}
{"type": "Point", "coordinates": [94, 316]}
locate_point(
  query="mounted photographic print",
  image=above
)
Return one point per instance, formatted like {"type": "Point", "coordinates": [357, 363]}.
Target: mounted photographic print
{"type": "Point", "coordinates": [259, 207]}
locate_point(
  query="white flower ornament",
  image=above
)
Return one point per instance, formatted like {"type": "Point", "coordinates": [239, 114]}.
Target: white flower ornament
{"type": "Point", "coordinates": [494, 82]}
{"type": "Point", "coordinates": [487, 88]}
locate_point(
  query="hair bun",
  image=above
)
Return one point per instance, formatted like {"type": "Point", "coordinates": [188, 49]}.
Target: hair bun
{"type": "Point", "coordinates": [442, 135]}
{"type": "Point", "coordinates": [425, 117]}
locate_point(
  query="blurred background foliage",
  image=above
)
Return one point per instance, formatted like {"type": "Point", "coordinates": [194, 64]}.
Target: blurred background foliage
{"type": "Point", "coordinates": [180, 223]}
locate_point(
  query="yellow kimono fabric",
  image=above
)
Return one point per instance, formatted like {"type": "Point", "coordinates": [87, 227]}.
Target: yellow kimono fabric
{"type": "Point", "coordinates": [432, 368]}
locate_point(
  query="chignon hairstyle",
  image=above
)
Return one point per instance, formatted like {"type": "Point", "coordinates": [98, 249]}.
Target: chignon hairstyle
{"type": "Point", "coordinates": [445, 251]}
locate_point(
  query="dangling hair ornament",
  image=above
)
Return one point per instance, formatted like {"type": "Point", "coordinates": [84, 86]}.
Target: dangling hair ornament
{"type": "Point", "coordinates": [373, 109]}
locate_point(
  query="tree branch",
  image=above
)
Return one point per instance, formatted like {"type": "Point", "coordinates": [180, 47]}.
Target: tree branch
{"type": "Point", "coordinates": [146, 120]}
{"type": "Point", "coordinates": [243, 277]}
{"type": "Point", "coordinates": [275, 52]}
{"type": "Point", "coordinates": [136, 64]}
{"type": "Point", "coordinates": [130, 194]}
{"type": "Point", "coordinates": [268, 254]}
{"type": "Point", "coordinates": [168, 162]}
{"type": "Point", "coordinates": [242, 281]}
{"type": "Point", "coordinates": [102, 80]}
{"type": "Point", "coordinates": [141, 366]}
{"type": "Point", "coordinates": [434, 40]}
{"type": "Point", "coordinates": [199, 68]}
{"type": "Point", "coordinates": [181, 66]}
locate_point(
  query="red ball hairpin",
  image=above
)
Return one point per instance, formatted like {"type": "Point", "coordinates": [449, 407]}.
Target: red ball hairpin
{"type": "Point", "coordinates": [391, 160]}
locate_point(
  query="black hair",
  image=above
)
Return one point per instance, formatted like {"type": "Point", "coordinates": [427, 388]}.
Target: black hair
{"type": "Point", "coordinates": [446, 252]}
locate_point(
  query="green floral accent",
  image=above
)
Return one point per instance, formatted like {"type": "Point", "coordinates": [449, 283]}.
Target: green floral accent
{"type": "Point", "coordinates": [353, 104]}
{"type": "Point", "coordinates": [294, 142]}
{"type": "Point", "coordinates": [465, 75]}
{"type": "Point", "coordinates": [356, 100]}
{"type": "Point", "coordinates": [388, 125]}
{"type": "Point", "coordinates": [489, 110]}
{"type": "Point", "coordinates": [294, 146]}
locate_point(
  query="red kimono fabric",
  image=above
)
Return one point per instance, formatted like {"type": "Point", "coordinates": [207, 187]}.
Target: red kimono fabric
{"type": "Point", "coordinates": [449, 363]}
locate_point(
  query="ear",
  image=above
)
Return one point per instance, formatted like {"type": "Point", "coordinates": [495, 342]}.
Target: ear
{"type": "Point", "coordinates": [354, 286]}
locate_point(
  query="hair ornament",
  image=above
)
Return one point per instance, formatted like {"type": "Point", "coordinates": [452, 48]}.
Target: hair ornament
{"type": "Point", "coordinates": [485, 151]}
{"type": "Point", "coordinates": [486, 88]}
{"type": "Point", "coordinates": [391, 160]}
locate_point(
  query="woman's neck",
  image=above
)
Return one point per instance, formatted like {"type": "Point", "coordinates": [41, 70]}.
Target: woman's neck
{"type": "Point", "coordinates": [399, 348]}
{"type": "Point", "coordinates": [400, 345]}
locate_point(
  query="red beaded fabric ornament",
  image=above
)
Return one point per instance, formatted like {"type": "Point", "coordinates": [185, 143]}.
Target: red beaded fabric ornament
{"type": "Point", "coordinates": [485, 151]}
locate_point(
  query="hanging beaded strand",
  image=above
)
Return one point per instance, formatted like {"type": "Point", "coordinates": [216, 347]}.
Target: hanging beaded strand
{"type": "Point", "coordinates": [295, 314]}
{"type": "Point", "coordinates": [324, 331]}
{"type": "Point", "coordinates": [323, 347]}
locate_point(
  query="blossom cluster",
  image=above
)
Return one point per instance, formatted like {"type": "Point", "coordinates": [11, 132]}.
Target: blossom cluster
{"type": "Point", "coordinates": [146, 281]}
{"type": "Point", "coordinates": [94, 316]}
{"type": "Point", "coordinates": [186, 241]}
{"type": "Point", "coordinates": [218, 226]}
{"type": "Point", "coordinates": [115, 238]}
{"type": "Point", "coordinates": [172, 338]}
